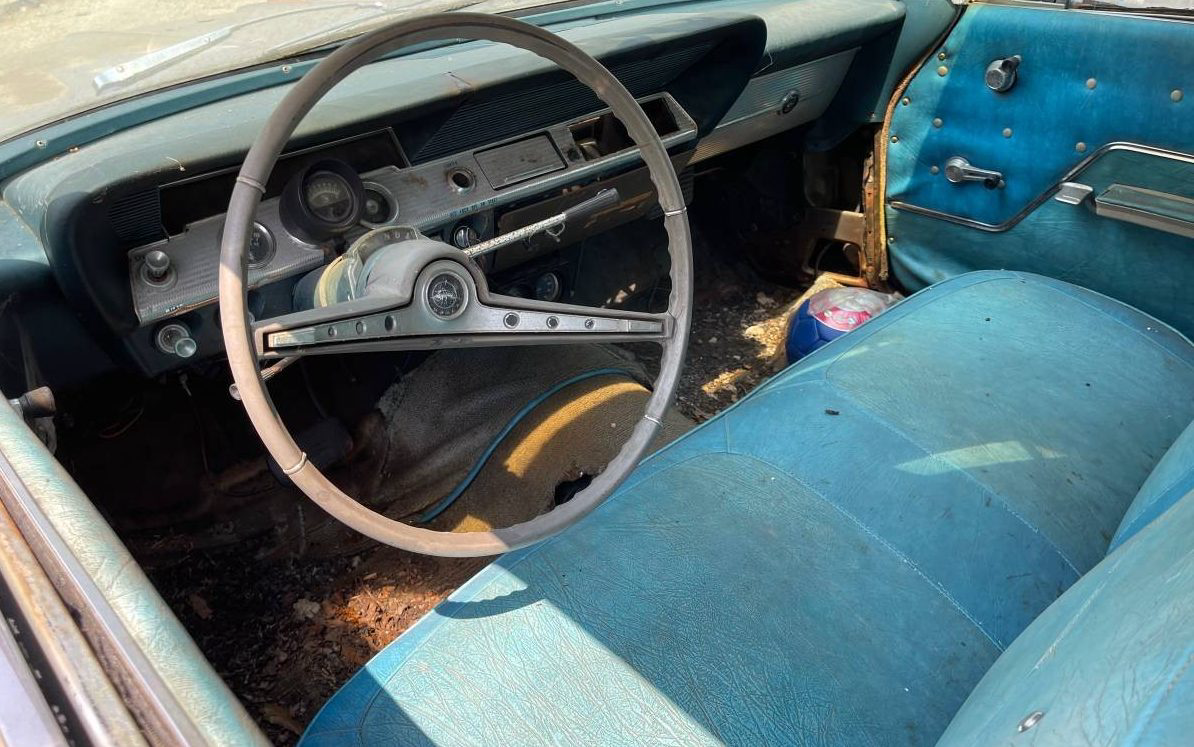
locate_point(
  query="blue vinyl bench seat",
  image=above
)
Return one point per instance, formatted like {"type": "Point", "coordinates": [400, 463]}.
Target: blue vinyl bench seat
{"type": "Point", "coordinates": [840, 557]}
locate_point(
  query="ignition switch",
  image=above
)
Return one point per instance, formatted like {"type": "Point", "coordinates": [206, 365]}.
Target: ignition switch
{"type": "Point", "coordinates": [464, 236]}
{"type": "Point", "coordinates": [1001, 74]}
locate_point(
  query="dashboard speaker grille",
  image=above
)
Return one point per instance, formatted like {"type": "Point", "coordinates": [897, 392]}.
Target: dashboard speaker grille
{"type": "Point", "coordinates": [485, 120]}
{"type": "Point", "coordinates": [137, 218]}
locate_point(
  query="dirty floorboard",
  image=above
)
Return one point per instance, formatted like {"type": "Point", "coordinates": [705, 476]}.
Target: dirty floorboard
{"type": "Point", "coordinates": [287, 634]}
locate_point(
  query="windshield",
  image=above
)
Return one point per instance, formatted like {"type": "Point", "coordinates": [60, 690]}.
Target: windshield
{"type": "Point", "coordinates": [62, 57]}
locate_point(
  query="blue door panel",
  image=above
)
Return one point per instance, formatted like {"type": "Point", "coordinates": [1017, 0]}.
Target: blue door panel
{"type": "Point", "coordinates": [1087, 82]}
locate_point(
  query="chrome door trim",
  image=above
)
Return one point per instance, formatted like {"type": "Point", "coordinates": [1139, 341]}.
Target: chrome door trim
{"type": "Point", "coordinates": [1070, 176]}
{"type": "Point", "coordinates": [100, 620]}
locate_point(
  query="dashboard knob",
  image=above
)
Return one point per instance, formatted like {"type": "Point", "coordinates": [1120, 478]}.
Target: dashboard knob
{"type": "Point", "coordinates": [1001, 74]}
{"type": "Point", "coordinates": [464, 236]}
{"type": "Point", "coordinates": [175, 339]}
{"type": "Point", "coordinates": [157, 265]}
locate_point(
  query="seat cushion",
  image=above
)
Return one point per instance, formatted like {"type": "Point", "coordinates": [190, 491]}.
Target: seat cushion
{"type": "Point", "coordinates": [1172, 480]}
{"type": "Point", "coordinates": [837, 559]}
{"type": "Point", "coordinates": [1110, 663]}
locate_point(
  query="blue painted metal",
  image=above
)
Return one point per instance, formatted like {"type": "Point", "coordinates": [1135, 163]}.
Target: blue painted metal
{"type": "Point", "coordinates": [1136, 64]}
{"type": "Point", "coordinates": [799, 30]}
{"type": "Point", "coordinates": [837, 559]}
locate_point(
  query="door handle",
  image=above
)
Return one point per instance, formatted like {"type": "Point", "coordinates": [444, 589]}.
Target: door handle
{"type": "Point", "coordinates": [959, 171]}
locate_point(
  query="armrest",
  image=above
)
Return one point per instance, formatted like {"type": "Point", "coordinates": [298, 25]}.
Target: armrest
{"type": "Point", "coordinates": [1144, 207]}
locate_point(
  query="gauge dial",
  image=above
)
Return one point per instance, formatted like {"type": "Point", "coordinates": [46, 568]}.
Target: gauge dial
{"type": "Point", "coordinates": [378, 207]}
{"type": "Point", "coordinates": [329, 197]}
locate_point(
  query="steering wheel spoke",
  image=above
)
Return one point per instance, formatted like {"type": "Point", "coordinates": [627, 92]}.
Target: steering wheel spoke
{"type": "Point", "coordinates": [361, 326]}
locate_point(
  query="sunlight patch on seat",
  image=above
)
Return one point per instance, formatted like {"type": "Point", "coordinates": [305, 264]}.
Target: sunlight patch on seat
{"type": "Point", "coordinates": [979, 455]}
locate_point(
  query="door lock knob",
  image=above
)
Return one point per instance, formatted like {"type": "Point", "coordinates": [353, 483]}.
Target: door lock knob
{"type": "Point", "coordinates": [1001, 74]}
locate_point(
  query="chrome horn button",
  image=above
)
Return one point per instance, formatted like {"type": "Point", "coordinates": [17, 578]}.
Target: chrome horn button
{"type": "Point", "coordinates": [447, 295]}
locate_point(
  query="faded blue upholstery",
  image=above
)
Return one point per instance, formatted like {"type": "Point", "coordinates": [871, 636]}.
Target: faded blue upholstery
{"type": "Point", "coordinates": [838, 559]}
{"type": "Point", "coordinates": [1110, 663]}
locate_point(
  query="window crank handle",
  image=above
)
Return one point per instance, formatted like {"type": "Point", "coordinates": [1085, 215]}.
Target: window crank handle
{"type": "Point", "coordinates": [959, 171]}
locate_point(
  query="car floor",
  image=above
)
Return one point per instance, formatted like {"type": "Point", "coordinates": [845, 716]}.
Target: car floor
{"type": "Point", "coordinates": [287, 633]}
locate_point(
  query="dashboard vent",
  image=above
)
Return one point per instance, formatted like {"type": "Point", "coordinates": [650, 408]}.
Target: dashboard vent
{"type": "Point", "coordinates": [481, 121]}
{"type": "Point", "coordinates": [137, 218]}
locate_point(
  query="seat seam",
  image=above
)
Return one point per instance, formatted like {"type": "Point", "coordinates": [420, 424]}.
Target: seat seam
{"type": "Point", "coordinates": [1067, 291]}
{"type": "Point", "coordinates": [935, 585]}
{"type": "Point", "coordinates": [983, 487]}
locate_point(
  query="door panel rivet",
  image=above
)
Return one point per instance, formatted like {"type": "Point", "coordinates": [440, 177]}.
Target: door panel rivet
{"type": "Point", "coordinates": [937, 122]}
{"type": "Point", "coordinates": [1080, 147]}
{"type": "Point", "coordinates": [906, 101]}
{"type": "Point", "coordinates": [1176, 95]}
{"type": "Point", "coordinates": [1007, 132]}
{"type": "Point", "coordinates": [934, 169]}
{"type": "Point", "coordinates": [941, 55]}
{"type": "Point", "coordinates": [942, 70]}
{"type": "Point", "coordinates": [895, 138]}
{"type": "Point", "coordinates": [1091, 83]}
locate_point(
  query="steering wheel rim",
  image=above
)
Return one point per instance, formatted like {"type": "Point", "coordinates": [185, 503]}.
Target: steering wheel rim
{"type": "Point", "coordinates": [236, 325]}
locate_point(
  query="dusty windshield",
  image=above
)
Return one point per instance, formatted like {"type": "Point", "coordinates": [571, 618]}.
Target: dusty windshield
{"type": "Point", "coordinates": [62, 57]}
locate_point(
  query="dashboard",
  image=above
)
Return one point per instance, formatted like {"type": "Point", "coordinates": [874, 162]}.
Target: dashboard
{"type": "Point", "coordinates": [462, 141]}
{"type": "Point", "coordinates": [321, 200]}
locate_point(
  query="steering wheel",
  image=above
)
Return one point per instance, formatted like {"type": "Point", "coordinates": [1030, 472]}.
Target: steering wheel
{"type": "Point", "coordinates": [424, 294]}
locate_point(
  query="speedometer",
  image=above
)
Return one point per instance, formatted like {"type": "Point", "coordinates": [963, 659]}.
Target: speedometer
{"type": "Point", "coordinates": [329, 197]}
{"type": "Point", "coordinates": [322, 201]}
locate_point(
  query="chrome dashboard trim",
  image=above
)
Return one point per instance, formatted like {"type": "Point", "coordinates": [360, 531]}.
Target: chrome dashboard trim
{"type": "Point", "coordinates": [194, 257]}
{"type": "Point", "coordinates": [1069, 176]}
{"type": "Point", "coordinates": [423, 196]}
{"type": "Point", "coordinates": [426, 208]}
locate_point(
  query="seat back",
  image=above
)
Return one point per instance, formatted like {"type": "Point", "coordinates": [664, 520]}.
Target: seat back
{"type": "Point", "coordinates": [1172, 478]}
{"type": "Point", "coordinates": [1111, 662]}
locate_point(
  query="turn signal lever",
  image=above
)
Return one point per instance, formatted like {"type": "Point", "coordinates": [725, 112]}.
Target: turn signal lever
{"type": "Point", "coordinates": [959, 171]}
{"type": "Point", "coordinates": [553, 226]}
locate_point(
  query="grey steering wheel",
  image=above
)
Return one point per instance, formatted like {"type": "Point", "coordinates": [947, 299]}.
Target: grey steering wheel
{"type": "Point", "coordinates": [404, 313]}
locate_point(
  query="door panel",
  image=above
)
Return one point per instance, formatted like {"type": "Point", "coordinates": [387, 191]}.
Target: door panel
{"type": "Point", "coordinates": [1091, 86]}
